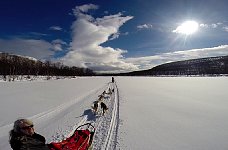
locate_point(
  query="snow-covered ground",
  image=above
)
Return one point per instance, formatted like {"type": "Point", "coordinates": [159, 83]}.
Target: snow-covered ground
{"type": "Point", "coordinates": [161, 113]}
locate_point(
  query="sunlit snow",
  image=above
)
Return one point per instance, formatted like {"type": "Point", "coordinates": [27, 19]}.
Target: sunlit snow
{"type": "Point", "coordinates": [159, 113]}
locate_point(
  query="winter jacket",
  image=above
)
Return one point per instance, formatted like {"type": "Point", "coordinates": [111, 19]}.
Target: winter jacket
{"type": "Point", "coordinates": [24, 142]}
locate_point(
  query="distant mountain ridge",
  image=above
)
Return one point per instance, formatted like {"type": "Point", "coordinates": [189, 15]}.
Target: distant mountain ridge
{"type": "Point", "coordinates": [202, 66]}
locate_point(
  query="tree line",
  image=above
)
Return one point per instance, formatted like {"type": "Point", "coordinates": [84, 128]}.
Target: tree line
{"type": "Point", "coordinates": [13, 65]}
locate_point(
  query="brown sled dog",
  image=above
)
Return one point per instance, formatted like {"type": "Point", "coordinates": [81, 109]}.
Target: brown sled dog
{"type": "Point", "coordinates": [103, 107]}
{"type": "Point", "coordinates": [95, 107]}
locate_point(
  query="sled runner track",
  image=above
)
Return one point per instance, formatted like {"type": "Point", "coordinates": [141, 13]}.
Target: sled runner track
{"type": "Point", "coordinates": [64, 106]}
{"type": "Point", "coordinates": [114, 122]}
{"type": "Point", "coordinates": [117, 117]}
{"type": "Point", "coordinates": [85, 117]}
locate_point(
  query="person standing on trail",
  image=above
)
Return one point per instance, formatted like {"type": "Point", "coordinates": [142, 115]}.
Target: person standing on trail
{"type": "Point", "coordinates": [112, 79]}
{"type": "Point", "coordinates": [23, 137]}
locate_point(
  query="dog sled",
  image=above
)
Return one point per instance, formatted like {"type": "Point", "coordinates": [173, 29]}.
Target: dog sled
{"type": "Point", "coordinates": [81, 139]}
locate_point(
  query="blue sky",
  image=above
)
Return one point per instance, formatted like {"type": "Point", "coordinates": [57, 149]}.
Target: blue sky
{"type": "Point", "coordinates": [114, 35]}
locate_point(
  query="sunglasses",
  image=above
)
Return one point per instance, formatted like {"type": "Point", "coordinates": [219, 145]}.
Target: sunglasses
{"type": "Point", "coordinates": [27, 127]}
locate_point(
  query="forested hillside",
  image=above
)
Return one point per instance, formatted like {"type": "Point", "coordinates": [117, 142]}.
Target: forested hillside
{"type": "Point", "coordinates": [202, 66]}
{"type": "Point", "coordinates": [14, 65]}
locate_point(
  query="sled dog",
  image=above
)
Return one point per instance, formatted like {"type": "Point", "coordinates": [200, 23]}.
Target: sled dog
{"type": "Point", "coordinates": [101, 97]}
{"type": "Point", "coordinates": [95, 107]}
{"type": "Point", "coordinates": [104, 108]}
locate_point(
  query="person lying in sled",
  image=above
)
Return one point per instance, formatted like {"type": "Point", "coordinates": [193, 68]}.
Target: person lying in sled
{"type": "Point", "coordinates": [24, 137]}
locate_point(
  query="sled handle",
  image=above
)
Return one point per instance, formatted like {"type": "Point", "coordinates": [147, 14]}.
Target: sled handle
{"type": "Point", "coordinates": [88, 125]}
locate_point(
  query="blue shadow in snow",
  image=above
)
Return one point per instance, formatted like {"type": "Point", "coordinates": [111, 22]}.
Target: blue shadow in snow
{"type": "Point", "coordinates": [90, 115]}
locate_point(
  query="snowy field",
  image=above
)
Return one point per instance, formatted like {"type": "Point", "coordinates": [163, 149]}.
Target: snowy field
{"type": "Point", "coordinates": [160, 113]}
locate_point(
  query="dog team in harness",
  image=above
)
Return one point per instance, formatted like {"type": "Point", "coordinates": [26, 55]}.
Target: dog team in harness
{"type": "Point", "coordinates": [100, 102]}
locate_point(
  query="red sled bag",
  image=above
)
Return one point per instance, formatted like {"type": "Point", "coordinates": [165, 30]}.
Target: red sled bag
{"type": "Point", "coordinates": [80, 140]}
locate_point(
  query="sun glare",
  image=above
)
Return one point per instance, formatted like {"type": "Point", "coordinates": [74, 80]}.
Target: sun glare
{"type": "Point", "coordinates": [188, 27]}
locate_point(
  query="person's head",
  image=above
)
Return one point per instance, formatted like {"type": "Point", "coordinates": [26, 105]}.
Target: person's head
{"type": "Point", "coordinates": [23, 126]}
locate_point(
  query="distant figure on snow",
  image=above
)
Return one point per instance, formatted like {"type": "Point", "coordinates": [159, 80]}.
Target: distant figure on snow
{"type": "Point", "coordinates": [112, 79]}
{"type": "Point", "coordinates": [103, 107]}
{"type": "Point", "coordinates": [23, 137]}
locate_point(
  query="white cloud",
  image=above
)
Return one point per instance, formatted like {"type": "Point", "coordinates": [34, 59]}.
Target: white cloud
{"type": "Point", "coordinates": [55, 28]}
{"type": "Point", "coordinates": [80, 11]}
{"type": "Point", "coordinates": [85, 8]}
{"type": "Point", "coordinates": [39, 49]}
{"type": "Point", "coordinates": [204, 25]}
{"type": "Point", "coordinates": [145, 26]}
{"type": "Point", "coordinates": [37, 34]}
{"type": "Point", "coordinates": [213, 25]}
{"type": "Point", "coordinates": [57, 44]}
{"type": "Point", "coordinates": [225, 28]}
{"type": "Point", "coordinates": [114, 36]}
{"type": "Point", "coordinates": [88, 34]}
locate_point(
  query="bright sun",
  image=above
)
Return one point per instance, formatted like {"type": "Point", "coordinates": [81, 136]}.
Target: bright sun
{"type": "Point", "coordinates": [188, 27]}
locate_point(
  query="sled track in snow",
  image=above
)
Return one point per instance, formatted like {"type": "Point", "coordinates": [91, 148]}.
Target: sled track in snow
{"type": "Point", "coordinates": [112, 131]}
{"type": "Point", "coordinates": [106, 126]}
